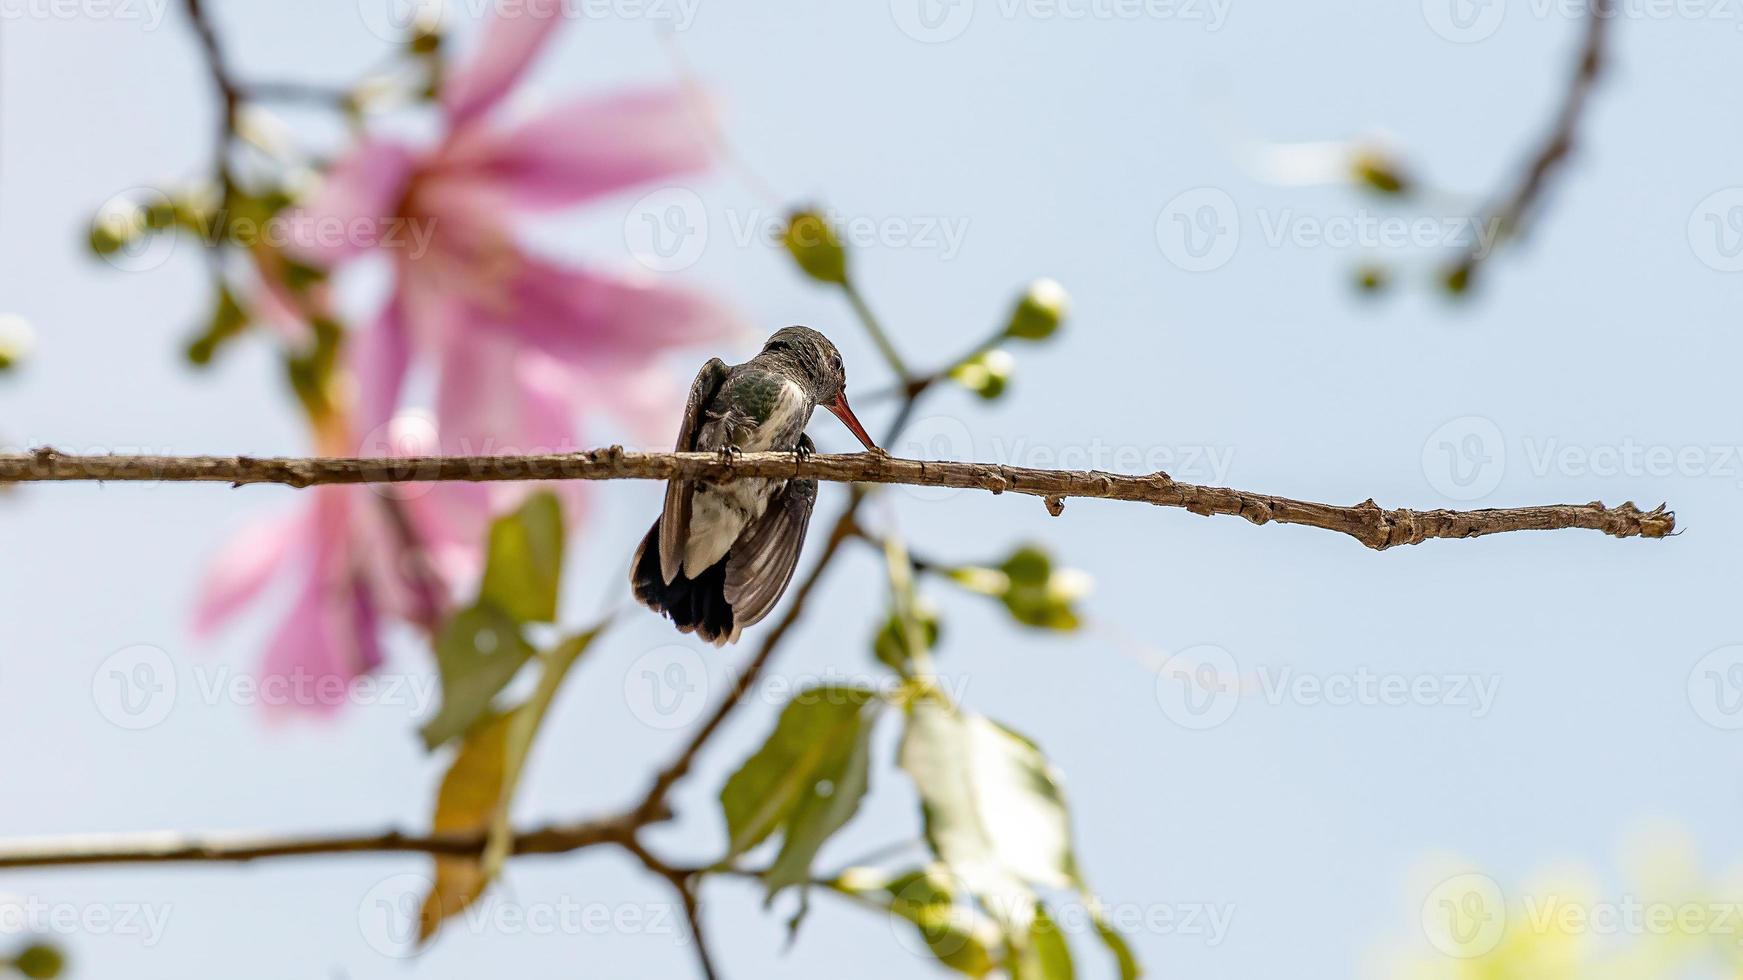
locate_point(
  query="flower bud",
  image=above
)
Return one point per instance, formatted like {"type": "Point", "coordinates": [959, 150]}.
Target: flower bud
{"type": "Point", "coordinates": [16, 340]}
{"type": "Point", "coordinates": [1379, 172]}
{"type": "Point", "coordinates": [40, 962]}
{"type": "Point", "coordinates": [1039, 312]}
{"type": "Point", "coordinates": [815, 246]}
{"type": "Point", "coordinates": [985, 374]}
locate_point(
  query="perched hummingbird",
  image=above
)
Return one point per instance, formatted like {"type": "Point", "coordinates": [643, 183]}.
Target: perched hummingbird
{"type": "Point", "coordinates": [720, 554]}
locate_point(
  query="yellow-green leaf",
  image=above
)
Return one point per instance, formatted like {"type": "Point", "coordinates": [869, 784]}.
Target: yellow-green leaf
{"type": "Point", "coordinates": [466, 803]}
{"type": "Point", "coordinates": [525, 562]}
{"type": "Point", "coordinates": [478, 651]}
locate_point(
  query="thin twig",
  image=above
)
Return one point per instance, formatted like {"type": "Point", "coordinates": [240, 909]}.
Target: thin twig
{"type": "Point", "coordinates": [173, 848]}
{"type": "Point", "coordinates": [684, 882]}
{"type": "Point", "coordinates": [1367, 522]}
{"type": "Point", "coordinates": [1513, 208]}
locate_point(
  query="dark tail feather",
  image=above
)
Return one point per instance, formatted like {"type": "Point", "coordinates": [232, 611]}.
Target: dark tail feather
{"type": "Point", "coordinates": [695, 604]}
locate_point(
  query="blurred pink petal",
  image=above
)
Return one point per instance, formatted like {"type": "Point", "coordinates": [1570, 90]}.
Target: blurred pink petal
{"type": "Point", "coordinates": [585, 148]}
{"type": "Point", "coordinates": [242, 568]}
{"type": "Point", "coordinates": [649, 402]}
{"type": "Point", "coordinates": [512, 39]}
{"type": "Point", "coordinates": [329, 638]}
{"type": "Point", "coordinates": [496, 399]}
{"type": "Point", "coordinates": [605, 322]}
{"type": "Point", "coordinates": [380, 358]}
{"type": "Point", "coordinates": [349, 212]}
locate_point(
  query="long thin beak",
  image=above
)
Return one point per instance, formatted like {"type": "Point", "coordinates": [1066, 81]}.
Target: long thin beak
{"type": "Point", "coordinates": [839, 409]}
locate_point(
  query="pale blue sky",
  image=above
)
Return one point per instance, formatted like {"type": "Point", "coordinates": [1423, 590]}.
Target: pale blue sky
{"type": "Point", "coordinates": [1051, 146]}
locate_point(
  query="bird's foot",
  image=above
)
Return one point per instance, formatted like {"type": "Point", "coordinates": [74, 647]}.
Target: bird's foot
{"type": "Point", "coordinates": [729, 453]}
{"type": "Point", "coordinates": [803, 451]}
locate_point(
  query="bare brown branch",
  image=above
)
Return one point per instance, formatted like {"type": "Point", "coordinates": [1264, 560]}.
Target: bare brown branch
{"type": "Point", "coordinates": [1513, 206]}
{"type": "Point", "coordinates": [1367, 522]}
{"type": "Point", "coordinates": [178, 848]}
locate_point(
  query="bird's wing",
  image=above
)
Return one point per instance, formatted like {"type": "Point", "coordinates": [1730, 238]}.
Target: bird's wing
{"type": "Point", "coordinates": [762, 559]}
{"type": "Point", "coordinates": [675, 518]}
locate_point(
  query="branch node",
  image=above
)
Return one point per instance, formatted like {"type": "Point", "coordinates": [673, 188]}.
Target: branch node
{"type": "Point", "coordinates": [1055, 505]}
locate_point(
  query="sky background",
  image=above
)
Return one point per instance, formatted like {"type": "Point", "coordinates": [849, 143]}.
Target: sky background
{"type": "Point", "coordinates": [1056, 147]}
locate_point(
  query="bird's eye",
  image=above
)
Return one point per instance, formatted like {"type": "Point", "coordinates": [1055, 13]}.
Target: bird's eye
{"type": "Point", "coordinates": [835, 362]}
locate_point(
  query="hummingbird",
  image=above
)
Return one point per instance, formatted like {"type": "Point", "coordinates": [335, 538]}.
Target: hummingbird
{"type": "Point", "coordinates": [720, 555]}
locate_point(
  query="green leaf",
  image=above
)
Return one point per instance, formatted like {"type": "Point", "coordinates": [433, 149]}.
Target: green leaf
{"type": "Point", "coordinates": [525, 562]}
{"type": "Point", "coordinates": [956, 933]}
{"type": "Point", "coordinates": [478, 790]}
{"type": "Point", "coordinates": [1111, 938]}
{"type": "Point", "coordinates": [824, 807]}
{"type": "Point", "coordinates": [806, 780]}
{"type": "Point", "coordinates": [478, 652]}
{"type": "Point", "coordinates": [1046, 955]}
{"type": "Point", "coordinates": [891, 645]}
{"type": "Point", "coordinates": [225, 322]}
{"type": "Point", "coordinates": [996, 815]}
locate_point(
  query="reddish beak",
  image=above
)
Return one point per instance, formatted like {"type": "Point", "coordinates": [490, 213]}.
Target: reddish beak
{"type": "Point", "coordinates": [839, 408]}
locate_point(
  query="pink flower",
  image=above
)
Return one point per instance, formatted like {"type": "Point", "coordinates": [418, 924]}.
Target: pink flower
{"type": "Point", "coordinates": [343, 558]}
{"type": "Point", "coordinates": [520, 345]}
{"type": "Point", "coordinates": [467, 295]}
